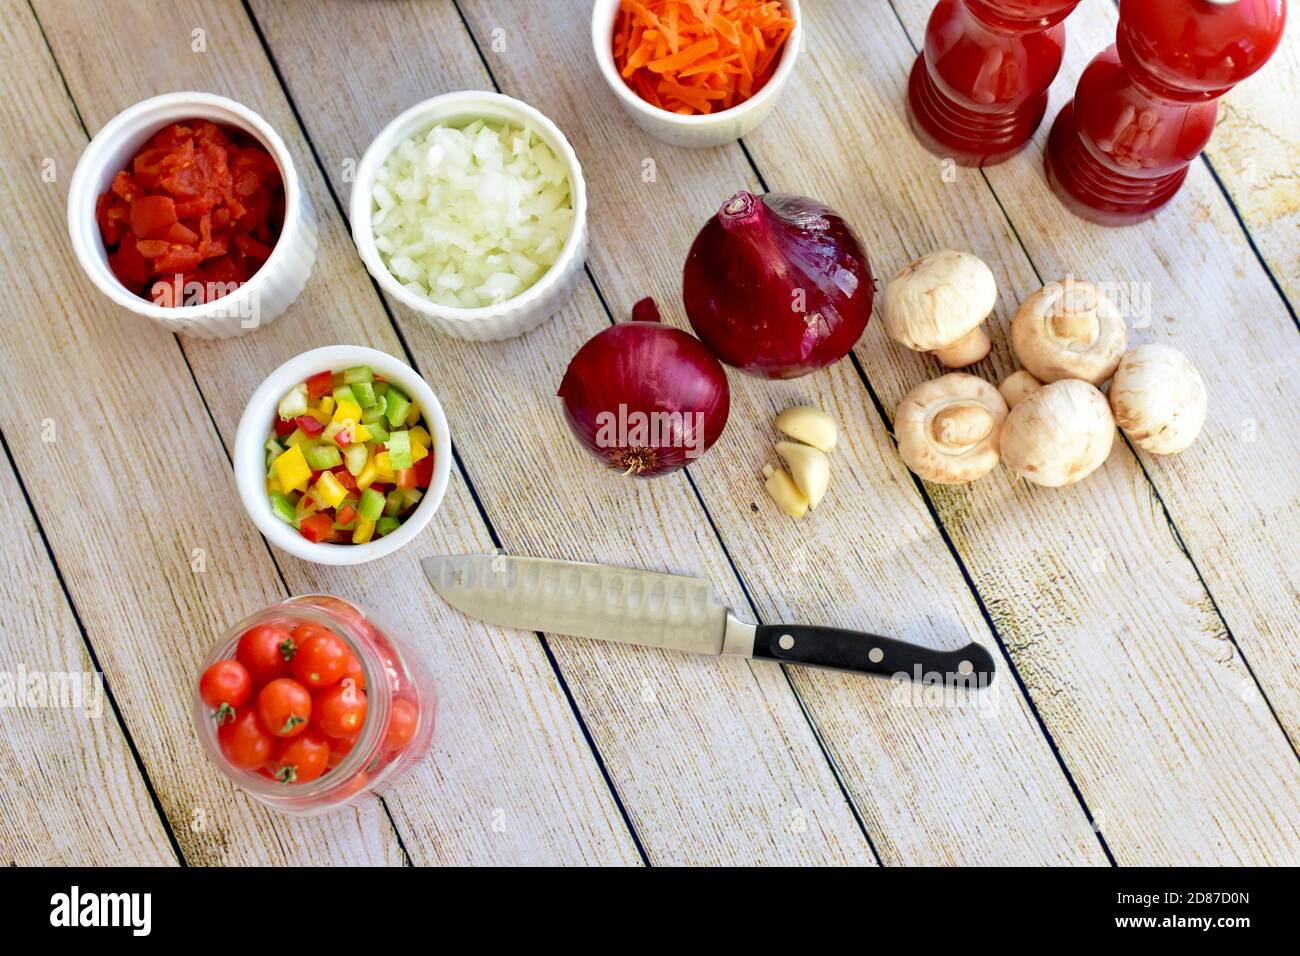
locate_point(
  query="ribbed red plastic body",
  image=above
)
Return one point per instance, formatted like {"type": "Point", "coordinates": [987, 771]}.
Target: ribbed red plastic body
{"type": "Point", "coordinates": [1145, 107]}
{"type": "Point", "coordinates": [979, 88]}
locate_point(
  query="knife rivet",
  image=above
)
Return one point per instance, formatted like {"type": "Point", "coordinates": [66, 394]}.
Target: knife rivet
{"type": "Point", "coordinates": [785, 641]}
{"type": "Point", "coordinates": [875, 655]}
{"type": "Point", "coordinates": [965, 667]}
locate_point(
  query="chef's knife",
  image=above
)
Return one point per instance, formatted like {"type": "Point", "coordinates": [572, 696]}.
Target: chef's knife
{"type": "Point", "coordinates": [676, 612]}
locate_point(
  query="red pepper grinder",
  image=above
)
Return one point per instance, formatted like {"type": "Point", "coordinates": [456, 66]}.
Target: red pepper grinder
{"type": "Point", "coordinates": [1145, 107]}
{"type": "Point", "coordinates": [979, 88]}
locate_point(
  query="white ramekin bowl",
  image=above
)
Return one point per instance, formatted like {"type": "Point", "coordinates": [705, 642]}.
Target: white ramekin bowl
{"type": "Point", "coordinates": [535, 304]}
{"type": "Point", "coordinates": [714, 129]}
{"type": "Point", "coordinates": [255, 427]}
{"type": "Point", "coordinates": [259, 300]}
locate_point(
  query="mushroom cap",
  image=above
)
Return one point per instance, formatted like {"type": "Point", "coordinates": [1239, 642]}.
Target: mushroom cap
{"type": "Point", "coordinates": [1159, 399]}
{"type": "Point", "coordinates": [947, 428]}
{"type": "Point", "coordinates": [1058, 434]}
{"type": "Point", "coordinates": [938, 299]}
{"type": "Point", "coordinates": [1069, 329]}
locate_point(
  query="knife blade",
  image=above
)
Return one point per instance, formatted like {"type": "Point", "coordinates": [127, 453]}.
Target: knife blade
{"type": "Point", "coordinates": [675, 612]}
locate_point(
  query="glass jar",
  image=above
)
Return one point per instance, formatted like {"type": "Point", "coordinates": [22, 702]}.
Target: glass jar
{"type": "Point", "coordinates": [399, 693]}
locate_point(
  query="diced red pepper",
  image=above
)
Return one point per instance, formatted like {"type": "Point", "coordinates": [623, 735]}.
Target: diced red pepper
{"type": "Point", "coordinates": [424, 471]}
{"type": "Point", "coordinates": [346, 513]}
{"type": "Point", "coordinates": [283, 427]}
{"type": "Point", "coordinates": [309, 425]}
{"type": "Point", "coordinates": [345, 478]}
{"type": "Point", "coordinates": [405, 477]}
{"type": "Point", "coordinates": [320, 385]}
{"type": "Point", "coordinates": [317, 528]}
{"type": "Point", "coordinates": [343, 437]}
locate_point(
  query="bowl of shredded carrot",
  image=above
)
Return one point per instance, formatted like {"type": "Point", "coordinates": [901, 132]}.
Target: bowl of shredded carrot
{"type": "Point", "coordinates": [696, 72]}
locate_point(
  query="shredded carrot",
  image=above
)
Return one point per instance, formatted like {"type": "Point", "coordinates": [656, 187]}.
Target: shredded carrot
{"type": "Point", "coordinates": [699, 56]}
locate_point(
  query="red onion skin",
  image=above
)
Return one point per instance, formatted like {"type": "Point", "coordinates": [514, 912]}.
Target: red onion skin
{"type": "Point", "coordinates": [647, 368]}
{"type": "Point", "coordinates": [744, 272]}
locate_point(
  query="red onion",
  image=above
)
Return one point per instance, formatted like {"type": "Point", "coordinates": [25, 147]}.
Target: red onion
{"type": "Point", "coordinates": [777, 286]}
{"type": "Point", "coordinates": [644, 397]}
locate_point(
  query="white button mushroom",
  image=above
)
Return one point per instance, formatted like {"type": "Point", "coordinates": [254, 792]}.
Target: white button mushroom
{"type": "Point", "coordinates": [1016, 386]}
{"type": "Point", "coordinates": [947, 428]}
{"type": "Point", "coordinates": [1158, 398]}
{"type": "Point", "coordinates": [1058, 434]}
{"type": "Point", "coordinates": [1069, 329]}
{"type": "Point", "coordinates": [937, 304]}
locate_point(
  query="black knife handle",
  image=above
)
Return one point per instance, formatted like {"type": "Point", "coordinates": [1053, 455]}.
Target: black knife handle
{"type": "Point", "coordinates": [844, 650]}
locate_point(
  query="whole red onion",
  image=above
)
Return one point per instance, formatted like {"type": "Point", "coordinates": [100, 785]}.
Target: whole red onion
{"type": "Point", "coordinates": [644, 397]}
{"type": "Point", "coordinates": [777, 286]}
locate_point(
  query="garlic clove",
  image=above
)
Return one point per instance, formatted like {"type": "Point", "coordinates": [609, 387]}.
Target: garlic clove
{"type": "Point", "coordinates": [809, 467]}
{"type": "Point", "coordinates": [809, 425]}
{"type": "Point", "coordinates": [784, 492]}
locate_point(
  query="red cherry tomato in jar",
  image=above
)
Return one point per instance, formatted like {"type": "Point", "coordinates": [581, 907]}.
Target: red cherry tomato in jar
{"type": "Point", "coordinates": [302, 758]}
{"type": "Point", "coordinates": [225, 687]}
{"type": "Point", "coordinates": [245, 742]}
{"type": "Point", "coordinates": [321, 659]}
{"type": "Point", "coordinates": [340, 747]}
{"type": "Point", "coordinates": [265, 650]}
{"type": "Point", "coordinates": [340, 710]}
{"type": "Point", "coordinates": [355, 672]}
{"type": "Point", "coordinates": [284, 706]}
{"type": "Point", "coordinates": [402, 726]}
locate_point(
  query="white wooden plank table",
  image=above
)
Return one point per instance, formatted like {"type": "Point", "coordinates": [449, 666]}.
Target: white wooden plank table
{"type": "Point", "coordinates": [1144, 620]}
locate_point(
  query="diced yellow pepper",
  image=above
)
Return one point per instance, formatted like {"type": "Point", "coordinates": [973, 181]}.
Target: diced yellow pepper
{"type": "Point", "coordinates": [345, 411]}
{"type": "Point", "coordinates": [272, 486]}
{"type": "Point", "coordinates": [384, 462]}
{"type": "Point", "coordinates": [327, 404]}
{"type": "Point", "coordinates": [418, 433]}
{"type": "Point", "coordinates": [320, 414]}
{"type": "Point", "coordinates": [297, 438]}
{"type": "Point", "coordinates": [412, 415]}
{"type": "Point", "coordinates": [418, 449]}
{"type": "Point", "coordinates": [329, 490]}
{"type": "Point", "coordinates": [362, 433]}
{"type": "Point", "coordinates": [369, 474]}
{"type": "Point", "coordinates": [364, 530]}
{"type": "Point", "coordinates": [292, 470]}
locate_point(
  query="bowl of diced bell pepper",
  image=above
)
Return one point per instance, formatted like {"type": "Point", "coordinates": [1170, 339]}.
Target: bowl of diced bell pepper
{"type": "Point", "coordinates": [343, 455]}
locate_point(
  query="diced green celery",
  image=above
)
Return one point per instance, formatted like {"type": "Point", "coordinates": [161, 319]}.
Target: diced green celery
{"type": "Point", "coordinates": [381, 388]}
{"type": "Point", "coordinates": [365, 393]}
{"type": "Point", "coordinates": [351, 524]}
{"type": "Point", "coordinates": [273, 451]}
{"type": "Point", "coordinates": [399, 449]}
{"type": "Point", "coordinates": [393, 504]}
{"type": "Point", "coordinates": [294, 402]}
{"type": "Point", "coordinates": [375, 412]}
{"type": "Point", "coordinates": [386, 525]}
{"type": "Point", "coordinates": [322, 457]}
{"type": "Point", "coordinates": [361, 373]}
{"type": "Point", "coordinates": [371, 505]}
{"type": "Point", "coordinates": [378, 432]}
{"type": "Point", "coordinates": [354, 456]}
{"type": "Point", "coordinates": [410, 496]}
{"type": "Point", "coordinates": [398, 406]}
{"type": "Point", "coordinates": [343, 393]}
{"type": "Point", "coordinates": [282, 507]}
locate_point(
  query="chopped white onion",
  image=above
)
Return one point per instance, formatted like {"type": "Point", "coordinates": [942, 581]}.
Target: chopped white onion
{"type": "Point", "coordinates": [471, 216]}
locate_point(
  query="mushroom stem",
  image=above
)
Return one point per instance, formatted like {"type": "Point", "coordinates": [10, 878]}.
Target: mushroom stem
{"type": "Point", "coordinates": [961, 426]}
{"type": "Point", "coordinates": [967, 350]}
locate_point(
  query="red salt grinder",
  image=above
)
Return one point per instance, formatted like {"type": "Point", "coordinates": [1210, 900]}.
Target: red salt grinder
{"type": "Point", "coordinates": [978, 90]}
{"type": "Point", "coordinates": [1145, 107]}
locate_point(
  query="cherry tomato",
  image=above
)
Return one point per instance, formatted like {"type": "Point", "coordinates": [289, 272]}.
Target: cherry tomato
{"type": "Point", "coordinates": [225, 687]}
{"type": "Point", "coordinates": [340, 710]}
{"type": "Point", "coordinates": [356, 672]}
{"type": "Point", "coordinates": [340, 747]}
{"type": "Point", "coordinates": [322, 657]}
{"type": "Point", "coordinates": [301, 759]}
{"type": "Point", "coordinates": [402, 726]}
{"type": "Point", "coordinates": [284, 706]}
{"type": "Point", "coordinates": [265, 650]}
{"type": "Point", "coordinates": [246, 743]}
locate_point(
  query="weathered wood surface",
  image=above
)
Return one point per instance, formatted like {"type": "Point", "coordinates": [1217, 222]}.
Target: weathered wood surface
{"type": "Point", "coordinates": [1119, 609]}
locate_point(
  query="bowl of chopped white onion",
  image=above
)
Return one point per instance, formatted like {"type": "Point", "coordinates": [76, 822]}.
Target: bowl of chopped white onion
{"type": "Point", "coordinates": [471, 210]}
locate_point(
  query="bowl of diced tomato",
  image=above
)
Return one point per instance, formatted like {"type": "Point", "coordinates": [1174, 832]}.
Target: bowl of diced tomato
{"type": "Point", "coordinates": [186, 208]}
{"type": "Point", "coordinates": [342, 455]}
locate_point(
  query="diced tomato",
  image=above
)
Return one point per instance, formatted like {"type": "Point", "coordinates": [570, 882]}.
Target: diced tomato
{"type": "Point", "coordinates": [130, 267]}
{"type": "Point", "coordinates": [320, 385]}
{"type": "Point", "coordinates": [405, 477]}
{"type": "Point", "coordinates": [424, 471]}
{"type": "Point", "coordinates": [346, 513]}
{"type": "Point", "coordinates": [177, 258]}
{"type": "Point", "coordinates": [152, 216]}
{"type": "Point", "coordinates": [283, 427]}
{"type": "Point", "coordinates": [317, 528]}
{"type": "Point", "coordinates": [310, 426]}
{"type": "Point", "coordinates": [180, 233]}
